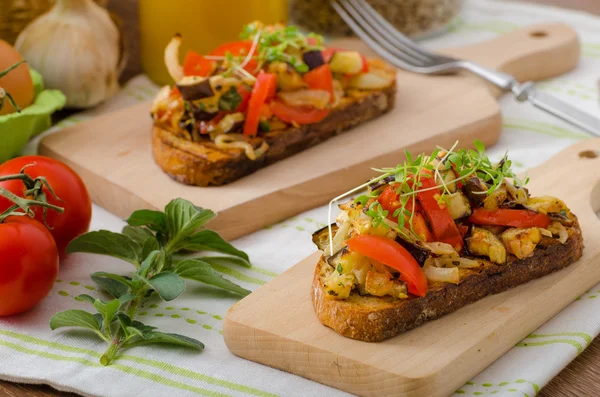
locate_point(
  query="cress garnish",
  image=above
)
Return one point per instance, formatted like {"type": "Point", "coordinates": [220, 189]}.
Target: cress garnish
{"type": "Point", "coordinates": [407, 178]}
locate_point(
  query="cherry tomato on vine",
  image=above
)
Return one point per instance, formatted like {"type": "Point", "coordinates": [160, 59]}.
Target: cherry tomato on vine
{"type": "Point", "coordinates": [68, 187]}
{"type": "Point", "coordinates": [28, 264]}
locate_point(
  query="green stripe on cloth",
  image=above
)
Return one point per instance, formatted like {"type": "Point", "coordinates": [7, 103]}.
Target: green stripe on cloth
{"type": "Point", "coordinates": [130, 370]}
{"type": "Point", "coordinates": [573, 343]}
{"type": "Point", "coordinates": [237, 274]}
{"type": "Point", "coordinates": [151, 363]}
{"type": "Point", "coordinates": [543, 128]}
{"type": "Point", "coordinates": [263, 271]}
{"type": "Point", "coordinates": [587, 337]}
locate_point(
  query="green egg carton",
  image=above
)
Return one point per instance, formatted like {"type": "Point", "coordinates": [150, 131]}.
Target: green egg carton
{"type": "Point", "coordinates": [18, 128]}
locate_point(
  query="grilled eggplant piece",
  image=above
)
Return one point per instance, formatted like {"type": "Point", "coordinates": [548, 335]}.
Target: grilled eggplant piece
{"type": "Point", "coordinates": [321, 237]}
{"type": "Point", "coordinates": [313, 59]}
{"type": "Point", "coordinates": [195, 87]}
{"type": "Point", "coordinates": [476, 190]}
{"type": "Point", "coordinates": [458, 205]}
{"type": "Point", "coordinates": [419, 253]}
{"type": "Point", "coordinates": [482, 242]}
{"type": "Point", "coordinates": [521, 242]}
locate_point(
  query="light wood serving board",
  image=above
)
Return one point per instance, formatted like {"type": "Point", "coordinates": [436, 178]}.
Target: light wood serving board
{"type": "Point", "coordinates": [276, 325]}
{"type": "Point", "coordinates": [112, 153]}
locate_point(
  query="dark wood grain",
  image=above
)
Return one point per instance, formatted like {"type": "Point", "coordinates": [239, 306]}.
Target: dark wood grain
{"type": "Point", "coordinates": [580, 378]}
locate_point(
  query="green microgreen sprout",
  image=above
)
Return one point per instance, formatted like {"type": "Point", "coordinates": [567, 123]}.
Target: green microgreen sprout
{"type": "Point", "coordinates": [281, 43]}
{"type": "Point", "coordinates": [407, 178]}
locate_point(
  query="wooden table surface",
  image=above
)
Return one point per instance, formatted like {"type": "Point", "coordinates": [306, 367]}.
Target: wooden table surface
{"type": "Point", "coordinates": [580, 378]}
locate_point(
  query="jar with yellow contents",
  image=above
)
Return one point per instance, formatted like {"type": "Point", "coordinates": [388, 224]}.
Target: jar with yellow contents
{"type": "Point", "coordinates": [204, 25]}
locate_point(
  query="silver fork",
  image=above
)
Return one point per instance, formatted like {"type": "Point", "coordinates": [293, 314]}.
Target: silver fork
{"type": "Point", "coordinates": [404, 53]}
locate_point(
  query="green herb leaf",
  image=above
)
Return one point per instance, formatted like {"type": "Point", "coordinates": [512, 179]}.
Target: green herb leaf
{"type": "Point", "coordinates": [183, 219]}
{"type": "Point", "coordinates": [168, 285]}
{"type": "Point", "coordinates": [74, 318]}
{"type": "Point", "coordinates": [114, 284]}
{"type": "Point", "coordinates": [479, 146]}
{"type": "Point", "coordinates": [108, 243]}
{"type": "Point", "coordinates": [155, 220]}
{"type": "Point", "coordinates": [230, 100]}
{"type": "Point", "coordinates": [195, 269]}
{"type": "Point", "coordinates": [171, 339]}
{"type": "Point", "coordinates": [86, 297]}
{"type": "Point", "coordinates": [362, 199]}
{"type": "Point", "coordinates": [108, 309]}
{"type": "Point", "coordinates": [148, 264]}
{"type": "Point", "coordinates": [208, 240]}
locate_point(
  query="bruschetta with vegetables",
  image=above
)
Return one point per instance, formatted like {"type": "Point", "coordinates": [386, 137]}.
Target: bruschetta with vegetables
{"type": "Point", "coordinates": [432, 235]}
{"type": "Point", "coordinates": [256, 101]}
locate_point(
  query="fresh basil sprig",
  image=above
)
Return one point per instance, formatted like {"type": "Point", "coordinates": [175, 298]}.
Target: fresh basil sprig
{"type": "Point", "coordinates": [150, 242]}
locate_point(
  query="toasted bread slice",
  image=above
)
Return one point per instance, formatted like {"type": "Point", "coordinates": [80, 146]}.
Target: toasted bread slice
{"type": "Point", "coordinates": [371, 319]}
{"type": "Point", "coordinates": [203, 164]}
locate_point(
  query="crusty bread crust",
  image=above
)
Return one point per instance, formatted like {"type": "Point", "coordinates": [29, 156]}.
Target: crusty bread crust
{"type": "Point", "coordinates": [371, 319]}
{"type": "Point", "coordinates": [203, 164]}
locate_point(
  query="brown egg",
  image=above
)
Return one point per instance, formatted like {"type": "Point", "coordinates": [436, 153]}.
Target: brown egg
{"type": "Point", "coordinates": [17, 82]}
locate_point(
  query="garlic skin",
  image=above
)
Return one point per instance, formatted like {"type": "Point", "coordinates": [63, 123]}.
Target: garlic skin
{"type": "Point", "coordinates": [77, 48]}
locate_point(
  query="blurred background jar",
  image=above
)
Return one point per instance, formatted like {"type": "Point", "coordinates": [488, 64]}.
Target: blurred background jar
{"type": "Point", "coordinates": [204, 24]}
{"type": "Point", "coordinates": [416, 18]}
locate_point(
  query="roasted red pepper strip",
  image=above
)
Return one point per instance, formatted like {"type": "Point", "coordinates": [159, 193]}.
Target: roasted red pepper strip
{"type": "Point", "coordinates": [265, 86]}
{"type": "Point", "coordinates": [389, 201]}
{"type": "Point", "coordinates": [392, 254]}
{"type": "Point", "coordinates": [442, 225]}
{"type": "Point", "coordinates": [509, 217]}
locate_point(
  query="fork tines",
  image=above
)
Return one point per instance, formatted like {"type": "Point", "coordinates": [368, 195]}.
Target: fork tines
{"type": "Point", "coordinates": [383, 38]}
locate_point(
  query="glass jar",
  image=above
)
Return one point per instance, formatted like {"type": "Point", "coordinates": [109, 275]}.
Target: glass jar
{"type": "Point", "coordinates": [416, 18]}
{"type": "Point", "coordinates": [204, 24]}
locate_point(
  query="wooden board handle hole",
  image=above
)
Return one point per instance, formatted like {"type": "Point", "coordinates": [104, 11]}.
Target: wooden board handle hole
{"type": "Point", "coordinates": [538, 34]}
{"type": "Point", "coordinates": [589, 154]}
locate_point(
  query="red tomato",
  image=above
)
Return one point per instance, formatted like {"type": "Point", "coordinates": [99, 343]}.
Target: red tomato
{"type": "Point", "coordinates": [389, 201]}
{"type": "Point", "coordinates": [298, 114]}
{"type": "Point", "coordinates": [196, 65]}
{"type": "Point", "coordinates": [237, 49]}
{"type": "Point", "coordinates": [392, 254]}
{"type": "Point", "coordinates": [442, 225]}
{"type": "Point", "coordinates": [28, 264]}
{"type": "Point", "coordinates": [264, 88]}
{"type": "Point", "coordinates": [320, 78]}
{"type": "Point", "coordinates": [509, 217]}
{"type": "Point", "coordinates": [72, 193]}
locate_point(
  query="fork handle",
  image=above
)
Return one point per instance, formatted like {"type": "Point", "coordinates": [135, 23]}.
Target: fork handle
{"type": "Point", "coordinates": [505, 81]}
{"type": "Point", "coordinates": [557, 107]}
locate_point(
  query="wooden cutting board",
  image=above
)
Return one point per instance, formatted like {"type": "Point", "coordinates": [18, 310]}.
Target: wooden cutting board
{"type": "Point", "coordinates": [276, 324]}
{"type": "Point", "coordinates": [112, 153]}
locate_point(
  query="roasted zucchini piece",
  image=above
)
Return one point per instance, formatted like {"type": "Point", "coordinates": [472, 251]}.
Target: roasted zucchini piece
{"type": "Point", "coordinates": [482, 242]}
{"type": "Point", "coordinates": [547, 204]}
{"type": "Point", "coordinates": [346, 62]}
{"type": "Point", "coordinates": [288, 79]}
{"type": "Point", "coordinates": [521, 242]}
{"type": "Point", "coordinates": [338, 286]}
{"type": "Point", "coordinates": [458, 205]}
{"type": "Point", "coordinates": [378, 284]}
{"type": "Point", "coordinates": [495, 199]}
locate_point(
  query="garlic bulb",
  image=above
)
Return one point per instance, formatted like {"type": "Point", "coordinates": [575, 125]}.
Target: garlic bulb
{"type": "Point", "coordinates": [77, 48]}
